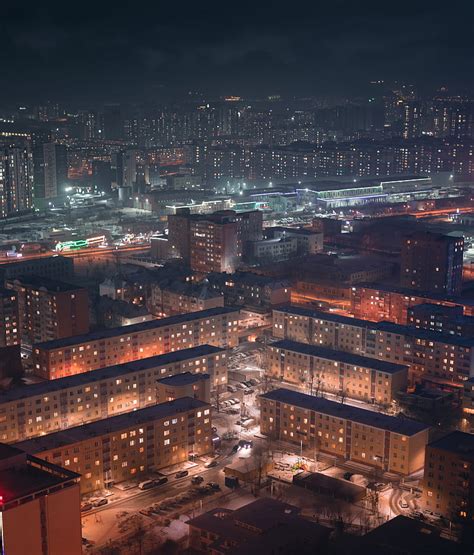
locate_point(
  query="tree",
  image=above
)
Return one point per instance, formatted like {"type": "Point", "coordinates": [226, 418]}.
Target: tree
{"type": "Point", "coordinates": [217, 398]}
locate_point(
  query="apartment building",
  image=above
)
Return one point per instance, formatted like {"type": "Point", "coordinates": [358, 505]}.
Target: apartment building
{"type": "Point", "coordinates": [196, 386]}
{"type": "Point", "coordinates": [50, 309]}
{"type": "Point", "coordinates": [83, 353]}
{"type": "Point", "coordinates": [180, 297]}
{"type": "Point", "coordinates": [432, 262]}
{"type": "Point", "coordinates": [441, 359]}
{"type": "Point", "coordinates": [39, 506]}
{"type": "Point", "coordinates": [338, 372]}
{"type": "Point", "coordinates": [9, 318]}
{"type": "Point", "coordinates": [52, 405]}
{"type": "Point", "coordinates": [378, 302]}
{"type": "Point", "coordinates": [440, 318]}
{"type": "Point", "coordinates": [386, 442]}
{"type": "Point", "coordinates": [128, 446]}
{"type": "Point", "coordinates": [448, 480]}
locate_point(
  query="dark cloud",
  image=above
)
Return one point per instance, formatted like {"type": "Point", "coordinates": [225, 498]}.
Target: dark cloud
{"type": "Point", "coordinates": [113, 50]}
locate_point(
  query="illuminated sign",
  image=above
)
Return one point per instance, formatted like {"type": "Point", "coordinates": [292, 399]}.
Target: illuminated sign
{"type": "Point", "coordinates": [79, 244]}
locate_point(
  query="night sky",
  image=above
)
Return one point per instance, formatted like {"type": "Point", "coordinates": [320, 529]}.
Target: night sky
{"type": "Point", "coordinates": [108, 51]}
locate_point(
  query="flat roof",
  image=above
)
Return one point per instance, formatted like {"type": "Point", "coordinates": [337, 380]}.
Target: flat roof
{"type": "Point", "coordinates": [109, 425]}
{"type": "Point", "coordinates": [185, 378]}
{"type": "Point", "coordinates": [135, 328]}
{"type": "Point", "coordinates": [394, 424]}
{"type": "Point", "coordinates": [389, 327]}
{"type": "Point", "coordinates": [51, 285]}
{"type": "Point", "coordinates": [31, 477]}
{"type": "Point", "coordinates": [413, 293]}
{"type": "Point", "coordinates": [457, 442]}
{"type": "Point", "coordinates": [339, 356]}
{"type": "Point", "coordinates": [109, 372]}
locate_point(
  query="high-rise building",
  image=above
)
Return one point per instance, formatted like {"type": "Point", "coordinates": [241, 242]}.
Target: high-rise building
{"type": "Point", "coordinates": [448, 481]}
{"type": "Point", "coordinates": [9, 318]}
{"type": "Point", "coordinates": [16, 181]}
{"type": "Point", "coordinates": [55, 171]}
{"type": "Point", "coordinates": [213, 242]}
{"type": "Point", "coordinates": [432, 262]}
{"type": "Point", "coordinates": [40, 506]}
{"type": "Point", "coordinates": [113, 122]}
{"type": "Point", "coordinates": [50, 309]}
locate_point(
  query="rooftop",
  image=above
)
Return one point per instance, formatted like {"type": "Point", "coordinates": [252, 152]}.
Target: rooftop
{"type": "Point", "coordinates": [109, 372]}
{"type": "Point", "coordinates": [389, 327]}
{"type": "Point", "coordinates": [134, 328]}
{"type": "Point", "coordinates": [258, 525]}
{"type": "Point", "coordinates": [38, 282]}
{"type": "Point", "coordinates": [109, 425]}
{"type": "Point", "coordinates": [22, 475]}
{"type": "Point", "coordinates": [184, 378]}
{"type": "Point", "coordinates": [339, 356]}
{"type": "Point", "coordinates": [457, 442]}
{"type": "Point", "coordinates": [414, 293]}
{"type": "Point", "coordinates": [393, 424]}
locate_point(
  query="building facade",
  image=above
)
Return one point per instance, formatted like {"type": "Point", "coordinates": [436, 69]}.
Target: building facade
{"type": "Point", "coordinates": [324, 370]}
{"type": "Point", "coordinates": [63, 357]}
{"type": "Point", "coordinates": [196, 386]}
{"type": "Point", "coordinates": [9, 318]}
{"type": "Point", "coordinates": [437, 358]}
{"type": "Point", "coordinates": [378, 302]}
{"type": "Point", "coordinates": [432, 262]}
{"type": "Point", "coordinates": [385, 442]}
{"type": "Point", "coordinates": [39, 506]}
{"type": "Point", "coordinates": [50, 309]}
{"type": "Point", "coordinates": [448, 481]}
{"type": "Point", "coordinates": [130, 445]}
{"type": "Point", "coordinates": [53, 405]}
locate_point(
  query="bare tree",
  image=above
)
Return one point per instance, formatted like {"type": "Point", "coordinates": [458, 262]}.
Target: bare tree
{"type": "Point", "coordinates": [216, 396]}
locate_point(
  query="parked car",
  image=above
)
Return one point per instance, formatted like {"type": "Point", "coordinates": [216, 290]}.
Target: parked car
{"type": "Point", "coordinates": [249, 392]}
{"type": "Point", "coordinates": [147, 484]}
{"type": "Point", "coordinates": [231, 388]}
{"type": "Point", "coordinates": [86, 507]}
{"type": "Point", "coordinates": [161, 480]}
{"type": "Point", "coordinates": [403, 503]}
{"type": "Point", "coordinates": [101, 502]}
{"type": "Point", "coordinates": [214, 486]}
{"type": "Point", "coordinates": [253, 381]}
{"type": "Point", "coordinates": [196, 480]}
{"type": "Point", "coordinates": [211, 464]}
{"type": "Point", "coordinates": [181, 474]}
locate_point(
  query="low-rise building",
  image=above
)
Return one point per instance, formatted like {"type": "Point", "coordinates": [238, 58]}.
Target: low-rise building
{"type": "Point", "coordinates": [186, 384]}
{"type": "Point", "coordinates": [48, 406]}
{"type": "Point", "coordinates": [448, 480]}
{"type": "Point", "coordinates": [434, 358]}
{"type": "Point", "coordinates": [308, 241]}
{"type": "Point", "coordinates": [181, 297]}
{"type": "Point", "coordinates": [325, 370]}
{"type": "Point", "coordinates": [83, 353]}
{"type": "Point", "coordinates": [386, 442]}
{"type": "Point", "coordinates": [251, 290]}
{"type": "Point", "coordinates": [263, 526]}
{"type": "Point", "coordinates": [53, 267]}
{"type": "Point", "coordinates": [40, 506]}
{"type": "Point", "coordinates": [280, 248]}
{"type": "Point", "coordinates": [129, 445]}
